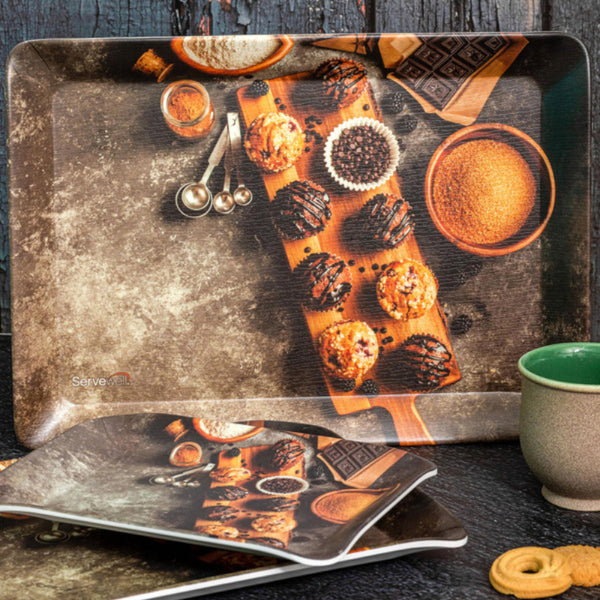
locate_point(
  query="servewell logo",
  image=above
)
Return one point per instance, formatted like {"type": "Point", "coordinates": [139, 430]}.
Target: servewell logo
{"type": "Point", "coordinates": [116, 379]}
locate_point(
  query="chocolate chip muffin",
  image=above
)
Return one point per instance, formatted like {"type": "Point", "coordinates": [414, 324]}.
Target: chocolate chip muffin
{"type": "Point", "coordinates": [421, 363]}
{"type": "Point", "coordinates": [273, 524]}
{"type": "Point", "coordinates": [324, 281]}
{"type": "Point", "coordinates": [227, 492]}
{"type": "Point", "coordinates": [386, 221]}
{"type": "Point", "coordinates": [300, 210]}
{"type": "Point", "coordinates": [219, 513]}
{"type": "Point", "coordinates": [274, 142]}
{"type": "Point", "coordinates": [286, 453]}
{"type": "Point", "coordinates": [406, 289]}
{"type": "Point", "coordinates": [230, 474]}
{"type": "Point", "coordinates": [344, 81]}
{"type": "Point", "coordinates": [348, 349]}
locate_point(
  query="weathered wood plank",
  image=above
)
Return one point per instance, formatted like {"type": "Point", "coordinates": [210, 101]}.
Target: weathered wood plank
{"type": "Point", "coordinates": [285, 16]}
{"type": "Point", "coordinates": [458, 15]}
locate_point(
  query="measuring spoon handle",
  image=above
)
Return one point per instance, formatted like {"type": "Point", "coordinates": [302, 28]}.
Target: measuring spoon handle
{"type": "Point", "coordinates": [216, 155]}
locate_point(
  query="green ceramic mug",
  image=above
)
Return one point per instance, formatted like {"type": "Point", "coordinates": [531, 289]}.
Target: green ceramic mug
{"type": "Point", "coordinates": [560, 422]}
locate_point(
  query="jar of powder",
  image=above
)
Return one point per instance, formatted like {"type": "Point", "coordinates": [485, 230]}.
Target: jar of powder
{"type": "Point", "coordinates": [187, 108]}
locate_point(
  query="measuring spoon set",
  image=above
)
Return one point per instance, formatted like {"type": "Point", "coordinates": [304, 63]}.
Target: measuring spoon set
{"type": "Point", "coordinates": [195, 199]}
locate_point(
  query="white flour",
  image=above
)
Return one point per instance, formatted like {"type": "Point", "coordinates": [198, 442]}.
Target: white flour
{"type": "Point", "coordinates": [231, 52]}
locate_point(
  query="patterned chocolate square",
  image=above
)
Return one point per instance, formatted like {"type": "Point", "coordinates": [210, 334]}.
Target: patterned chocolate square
{"type": "Point", "coordinates": [348, 457]}
{"type": "Point", "coordinates": [440, 65]}
{"type": "Point", "coordinates": [429, 56]}
{"type": "Point", "coordinates": [411, 71]}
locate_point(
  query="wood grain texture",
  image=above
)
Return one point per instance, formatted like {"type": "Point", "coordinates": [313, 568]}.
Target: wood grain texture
{"type": "Point", "coordinates": [458, 15]}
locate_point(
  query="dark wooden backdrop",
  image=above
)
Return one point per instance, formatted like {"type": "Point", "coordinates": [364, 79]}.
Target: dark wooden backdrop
{"type": "Point", "coordinates": [28, 19]}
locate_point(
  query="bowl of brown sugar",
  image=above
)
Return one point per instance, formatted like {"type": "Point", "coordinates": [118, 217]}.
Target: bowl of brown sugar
{"type": "Point", "coordinates": [490, 189]}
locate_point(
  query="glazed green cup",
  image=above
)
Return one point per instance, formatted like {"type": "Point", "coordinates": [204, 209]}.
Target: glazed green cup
{"type": "Point", "coordinates": [559, 425]}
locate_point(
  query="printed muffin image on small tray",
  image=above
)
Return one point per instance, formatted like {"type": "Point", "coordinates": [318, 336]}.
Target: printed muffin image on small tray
{"type": "Point", "coordinates": [303, 497]}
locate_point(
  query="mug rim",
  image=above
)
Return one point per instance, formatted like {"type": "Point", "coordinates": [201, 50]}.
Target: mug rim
{"type": "Point", "coordinates": [557, 383]}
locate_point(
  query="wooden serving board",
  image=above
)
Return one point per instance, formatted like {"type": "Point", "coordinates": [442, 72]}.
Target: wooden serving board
{"type": "Point", "coordinates": [252, 459]}
{"type": "Point", "coordinates": [299, 96]}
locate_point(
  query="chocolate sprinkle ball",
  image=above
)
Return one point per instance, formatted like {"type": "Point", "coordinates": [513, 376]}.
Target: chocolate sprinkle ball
{"type": "Point", "coordinates": [325, 281]}
{"type": "Point", "coordinates": [300, 210]}
{"type": "Point", "coordinates": [344, 81]}
{"type": "Point", "coordinates": [387, 220]}
{"type": "Point", "coordinates": [286, 453]}
{"type": "Point", "coordinates": [360, 154]}
{"type": "Point", "coordinates": [422, 363]}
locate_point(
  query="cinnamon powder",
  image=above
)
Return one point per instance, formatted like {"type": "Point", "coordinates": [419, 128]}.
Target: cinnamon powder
{"type": "Point", "coordinates": [483, 191]}
{"type": "Point", "coordinates": [186, 105]}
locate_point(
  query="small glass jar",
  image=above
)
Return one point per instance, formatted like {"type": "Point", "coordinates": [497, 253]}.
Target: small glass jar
{"type": "Point", "coordinates": [187, 108]}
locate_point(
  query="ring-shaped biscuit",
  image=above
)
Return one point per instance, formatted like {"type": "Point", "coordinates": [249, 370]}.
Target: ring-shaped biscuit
{"type": "Point", "coordinates": [531, 572]}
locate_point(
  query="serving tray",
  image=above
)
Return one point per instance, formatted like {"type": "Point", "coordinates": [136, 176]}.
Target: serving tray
{"type": "Point", "coordinates": [75, 560]}
{"type": "Point", "coordinates": [121, 304]}
{"type": "Point", "coordinates": [302, 497]}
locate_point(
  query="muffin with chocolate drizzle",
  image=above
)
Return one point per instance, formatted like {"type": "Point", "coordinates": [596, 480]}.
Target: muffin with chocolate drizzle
{"type": "Point", "coordinates": [300, 210]}
{"type": "Point", "coordinates": [344, 81]}
{"type": "Point", "coordinates": [348, 349]}
{"type": "Point", "coordinates": [421, 363]}
{"type": "Point", "coordinates": [387, 220]}
{"type": "Point", "coordinates": [324, 280]}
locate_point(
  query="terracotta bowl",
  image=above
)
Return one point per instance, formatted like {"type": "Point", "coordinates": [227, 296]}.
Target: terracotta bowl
{"type": "Point", "coordinates": [540, 167]}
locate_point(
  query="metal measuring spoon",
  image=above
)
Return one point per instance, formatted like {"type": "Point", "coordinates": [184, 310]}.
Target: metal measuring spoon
{"type": "Point", "coordinates": [223, 202]}
{"type": "Point", "coordinates": [173, 479]}
{"type": "Point", "coordinates": [194, 199]}
{"type": "Point", "coordinates": [242, 195]}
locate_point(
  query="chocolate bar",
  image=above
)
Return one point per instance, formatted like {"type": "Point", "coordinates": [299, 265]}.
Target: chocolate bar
{"type": "Point", "coordinates": [438, 68]}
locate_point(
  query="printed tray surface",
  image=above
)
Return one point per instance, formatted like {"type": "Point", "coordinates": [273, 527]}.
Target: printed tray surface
{"type": "Point", "coordinates": [123, 304]}
{"type": "Point", "coordinates": [75, 560]}
{"type": "Point", "coordinates": [302, 497]}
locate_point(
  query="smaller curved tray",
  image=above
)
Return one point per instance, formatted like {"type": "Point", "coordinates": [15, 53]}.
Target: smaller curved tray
{"type": "Point", "coordinates": [114, 473]}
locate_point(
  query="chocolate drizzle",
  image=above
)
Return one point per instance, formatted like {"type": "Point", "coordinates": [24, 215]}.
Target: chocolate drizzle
{"type": "Point", "coordinates": [300, 209]}
{"type": "Point", "coordinates": [388, 220]}
{"type": "Point", "coordinates": [344, 80]}
{"type": "Point", "coordinates": [422, 363]}
{"type": "Point", "coordinates": [325, 279]}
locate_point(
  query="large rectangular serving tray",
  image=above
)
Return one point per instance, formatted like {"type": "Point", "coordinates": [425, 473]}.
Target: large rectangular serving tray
{"type": "Point", "coordinates": [120, 304]}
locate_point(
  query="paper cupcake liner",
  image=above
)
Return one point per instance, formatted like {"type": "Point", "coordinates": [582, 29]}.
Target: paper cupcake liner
{"type": "Point", "coordinates": [380, 128]}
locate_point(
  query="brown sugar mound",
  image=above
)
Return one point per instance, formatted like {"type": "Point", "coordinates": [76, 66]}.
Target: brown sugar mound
{"type": "Point", "coordinates": [483, 191]}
